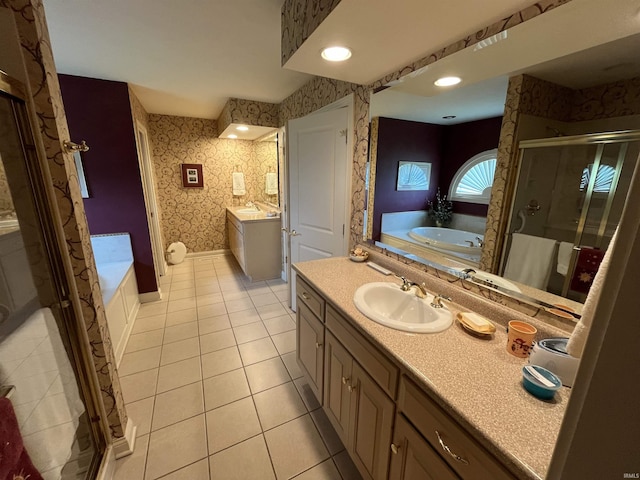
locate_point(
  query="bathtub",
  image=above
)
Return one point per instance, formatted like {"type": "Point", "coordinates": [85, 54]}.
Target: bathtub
{"type": "Point", "coordinates": [448, 239]}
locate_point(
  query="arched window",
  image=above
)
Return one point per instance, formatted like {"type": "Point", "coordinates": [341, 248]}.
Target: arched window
{"type": "Point", "coordinates": [472, 182]}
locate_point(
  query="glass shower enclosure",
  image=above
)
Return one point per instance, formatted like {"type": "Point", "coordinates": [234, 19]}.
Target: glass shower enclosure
{"type": "Point", "coordinates": [572, 190]}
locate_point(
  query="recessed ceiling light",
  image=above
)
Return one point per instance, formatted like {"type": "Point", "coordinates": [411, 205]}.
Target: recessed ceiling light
{"type": "Point", "coordinates": [449, 117]}
{"type": "Point", "coordinates": [447, 81]}
{"type": "Point", "coordinates": [336, 54]}
{"type": "Point", "coordinates": [232, 135]}
{"type": "Point", "coordinates": [242, 128]}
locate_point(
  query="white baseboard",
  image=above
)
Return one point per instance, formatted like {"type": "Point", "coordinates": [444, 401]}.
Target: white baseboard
{"type": "Point", "coordinates": [223, 251]}
{"type": "Point", "coordinates": [150, 296]}
{"type": "Point", "coordinates": [124, 446]}
{"type": "Point", "coordinates": [107, 468]}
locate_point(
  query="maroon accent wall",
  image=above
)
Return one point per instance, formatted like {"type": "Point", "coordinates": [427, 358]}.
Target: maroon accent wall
{"type": "Point", "coordinates": [461, 142]}
{"type": "Point", "coordinates": [446, 147]}
{"type": "Point", "coordinates": [402, 140]}
{"type": "Point", "coordinates": [99, 112]}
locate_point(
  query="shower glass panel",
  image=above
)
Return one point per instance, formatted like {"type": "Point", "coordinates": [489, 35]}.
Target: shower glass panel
{"type": "Point", "coordinates": [580, 185]}
{"type": "Point", "coordinates": [41, 378]}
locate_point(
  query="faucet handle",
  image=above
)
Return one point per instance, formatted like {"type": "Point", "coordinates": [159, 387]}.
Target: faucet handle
{"type": "Point", "coordinates": [437, 301]}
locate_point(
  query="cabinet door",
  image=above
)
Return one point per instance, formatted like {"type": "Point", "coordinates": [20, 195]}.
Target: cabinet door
{"type": "Point", "coordinates": [371, 423]}
{"type": "Point", "coordinates": [413, 458]}
{"type": "Point", "coordinates": [337, 395]}
{"type": "Point", "coordinates": [310, 348]}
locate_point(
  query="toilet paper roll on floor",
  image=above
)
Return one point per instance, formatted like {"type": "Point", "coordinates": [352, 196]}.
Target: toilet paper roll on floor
{"type": "Point", "coordinates": [176, 253]}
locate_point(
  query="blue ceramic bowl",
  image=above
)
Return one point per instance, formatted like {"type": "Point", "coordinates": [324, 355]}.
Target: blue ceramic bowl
{"type": "Point", "coordinates": [535, 387]}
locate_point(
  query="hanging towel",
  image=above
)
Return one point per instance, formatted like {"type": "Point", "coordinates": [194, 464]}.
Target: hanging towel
{"type": "Point", "coordinates": [578, 338]}
{"type": "Point", "coordinates": [271, 183]}
{"type": "Point", "coordinates": [530, 260]}
{"type": "Point", "coordinates": [14, 460]}
{"type": "Point", "coordinates": [587, 264]}
{"type": "Point", "coordinates": [564, 257]}
{"type": "Point", "coordinates": [238, 184]}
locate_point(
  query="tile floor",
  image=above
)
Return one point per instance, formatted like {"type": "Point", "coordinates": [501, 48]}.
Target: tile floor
{"type": "Point", "coordinates": [210, 379]}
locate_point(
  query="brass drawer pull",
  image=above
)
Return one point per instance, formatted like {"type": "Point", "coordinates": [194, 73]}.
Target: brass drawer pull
{"type": "Point", "coordinates": [305, 296]}
{"type": "Point", "coordinates": [448, 450]}
{"type": "Point", "coordinates": [394, 449]}
{"type": "Point", "coordinates": [351, 388]}
{"type": "Point", "coordinates": [344, 380]}
{"type": "Point", "coordinates": [318, 345]}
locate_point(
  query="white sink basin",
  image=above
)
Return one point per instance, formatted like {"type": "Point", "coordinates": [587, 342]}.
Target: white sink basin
{"type": "Point", "coordinates": [248, 210]}
{"type": "Point", "coordinates": [385, 303]}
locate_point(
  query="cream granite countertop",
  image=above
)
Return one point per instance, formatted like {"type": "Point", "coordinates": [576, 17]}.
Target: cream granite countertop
{"type": "Point", "coordinates": [253, 217]}
{"type": "Point", "coordinates": [475, 380]}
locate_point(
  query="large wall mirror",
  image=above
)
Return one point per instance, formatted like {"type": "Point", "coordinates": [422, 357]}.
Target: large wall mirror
{"type": "Point", "coordinates": [565, 181]}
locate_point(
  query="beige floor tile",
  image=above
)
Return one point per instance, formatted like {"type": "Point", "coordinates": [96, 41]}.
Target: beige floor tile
{"type": "Point", "coordinates": [307, 395]}
{"type": "Point", "coordinates": [139, 361]}
{"type": "Point", "coordinates": [180, 332]}
{"type": "Point", "coordinates": [250, 332]}
{"type": "Point", "coordinates": [151, 309]}
{"type": "Point", "coordinates": [325, 471]}
{"type": "Point", "coordinates": [195, 471]}
{"type": "Point", "coordinates": [207, 289]}
{"type": "Point", "coordinates": [147, 324]}
{"type": "Point", "coordinates": [181, 316]}
{"type": "Point", "coordinates": [221, 361]}
{"type": "Point", "coordinates": [346, 467]}
{"type": "Point", "coordinates": [176, 446]}
{"type": "Point", "coordinates": [182, 285]}
{"type": "Point", "coordinates": [271, 311]}
{"type": "Point", "coordinates": [291, 363]}
{"type": "Point", "coordinates": [327, 432]}
{"type": "Point", "coordinates": [132, 466]}
{"type": "Point", "coordinates": [177, 405]}
{"type": "Point", "coordinates": [231, 424]}
{"type": "Point", "coordinates": [183, 304]}
{"type": "Point", "coordinates": [248, 460]}
{"type": "Point", "coordinates": [141, 341]}
{"type": "Point", "coordinates": [176, 351]}
{"type": "Point", "coordinates": [230, 284]}
{"type": "Point", "coordinates": [207, 279]}
{"type": "Point", "coordinates": [228, 296]}
{"type": "Point", "coordinates": [279, 324]}
{"type": "Point", "coordinates": [285, 342]}
{"type": "Point", "coordinates": [277, 284]}
{"type": "Point", "coordinates": [139, 385]}
{"type": "Point", "coordinates": [295, 447]}
{"type": "Point", "coordinates": [225, 388]}
{"type": "Point", "coordinates": [140, 413]}
{"type": "Point", "coordinates": [239, 305]}
{"type": "Point", "coordinates": [278, 405]}
{"type": "Point", "coordinates": [209, 299]}
{"type": "Point", "coordinates": [211, 310]}
{"type": "Point", "coordinates": [244, 318]}
{"type": "Point", "coordinates": [178, 374]}
{"type": "Point", "coordinates": [213, 324]}
{"type": "Point", "coordinates": [181, 294]}
{"type": "Point", "coordinates": [283, 296]}
{"type": "Point", "coordinates": [264, 299]}
{"type": "Point", "coordinates": [212, 342]}
{"type": "Point", "coordinates": [257, 351]}
{"type": "Point", "coordinates": [267, 374]}
{"type": "Point", "coordinates": [182, 277]}
{"type": "Point", "coordinates": [258, 288]}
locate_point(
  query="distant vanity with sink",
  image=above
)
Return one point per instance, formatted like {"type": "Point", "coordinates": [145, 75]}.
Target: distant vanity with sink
{"type": "Point", "coordinates": [255, 240]}
{"type": "Point", "coordinates": [431, 405]}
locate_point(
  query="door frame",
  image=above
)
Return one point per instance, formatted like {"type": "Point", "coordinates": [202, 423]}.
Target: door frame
{"type": "Point", "coordinates": [348, 103]}
{"type": "Point", "coordinates": [151, 204]}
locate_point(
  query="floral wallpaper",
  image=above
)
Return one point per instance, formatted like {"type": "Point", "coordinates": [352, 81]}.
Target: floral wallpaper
{"type": "Point", "coordinates": [615, 99]}
{"type": "Point", "coordinates": [197, 216]}
{"type": "Point", "coordinates": [299, 19]}
{"type": "Point", "coordinates": [6, 204]}
{"type": "Point", "coordinates": [51, 129]}
{"type": "Point", "coordinates": [248, 112]}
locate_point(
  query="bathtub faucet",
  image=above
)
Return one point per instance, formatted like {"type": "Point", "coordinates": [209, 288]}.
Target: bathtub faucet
{"type": "Point", "coordinates": [480, 242]}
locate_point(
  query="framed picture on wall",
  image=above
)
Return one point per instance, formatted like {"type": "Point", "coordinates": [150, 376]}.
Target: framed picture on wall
{"type": "Point", "coordinates": [192, 175]}
{"type": "Point", "coordinates": [413, 176]}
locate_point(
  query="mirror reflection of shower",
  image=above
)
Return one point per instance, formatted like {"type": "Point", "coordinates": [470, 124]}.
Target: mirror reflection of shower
{"type": "Point", "coordinates": [557, 244]}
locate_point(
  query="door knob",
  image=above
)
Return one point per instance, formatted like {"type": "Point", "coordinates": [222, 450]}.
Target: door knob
{"type": "Point", "coordinates": [294, 233]}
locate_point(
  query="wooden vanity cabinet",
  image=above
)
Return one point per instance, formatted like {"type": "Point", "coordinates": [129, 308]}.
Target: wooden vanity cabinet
{"type": "Point", "coordinates": [310, 336]}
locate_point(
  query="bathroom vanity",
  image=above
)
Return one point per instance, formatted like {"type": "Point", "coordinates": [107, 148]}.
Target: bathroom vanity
{"type": "Point", "coordinates": [255, 241]}
{"type": "Point", "coordinates": [412, 406]}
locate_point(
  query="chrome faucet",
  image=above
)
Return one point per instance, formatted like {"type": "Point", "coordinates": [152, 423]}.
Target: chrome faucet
{"type": "Point", "coordinates": [421, 289]}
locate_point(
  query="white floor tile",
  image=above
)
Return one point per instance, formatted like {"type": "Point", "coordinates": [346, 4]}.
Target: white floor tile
{"type": "Point", "coordinates": [231, 424]}
{"type": "Point", "coordinates": [177, 405]}
{"type": "Point", "coordinates": [278, 405]}
{"type": "Point", "coordinates": [225, 388]}
{"type": "Point", "coordinates": [248, 460]}
{"type": "Point", "coordinates": [178, 374]}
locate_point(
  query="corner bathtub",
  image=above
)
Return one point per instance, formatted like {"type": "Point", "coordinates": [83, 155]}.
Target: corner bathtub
{"type": "Point", "coordinates": [448, 239]}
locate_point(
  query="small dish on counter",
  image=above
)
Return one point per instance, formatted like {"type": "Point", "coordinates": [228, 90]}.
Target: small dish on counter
{"type": "Point", "coordinates": [476, 324]}
{"type": "Point", "coordinates": [540, 382]}
{"type": "Point", "coordinates": [358, 255]}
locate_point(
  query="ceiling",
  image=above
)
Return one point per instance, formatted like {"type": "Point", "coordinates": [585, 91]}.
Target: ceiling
{"type": "Point", "coordinates": [188, 58]}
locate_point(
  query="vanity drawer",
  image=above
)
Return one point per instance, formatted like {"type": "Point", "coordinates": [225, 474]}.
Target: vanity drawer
{"type": "Point", "coordinates": [443, 432]}
{"type": "Point", "coordinates": [235, 222]}
{"type": "Point", "coordinates": [379, 367]}
{"type": "Point", "coordinates": [310, 297]}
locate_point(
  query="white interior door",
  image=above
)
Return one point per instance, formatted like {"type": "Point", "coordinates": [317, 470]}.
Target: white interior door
{"type": "Point", "coordinates": [149, 191]}
{"type": "Point", "coordinates": [319, 172]}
